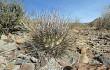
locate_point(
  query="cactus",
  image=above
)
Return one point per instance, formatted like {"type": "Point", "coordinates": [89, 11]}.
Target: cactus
{"type": "Point", "coordinates": [50, 35]}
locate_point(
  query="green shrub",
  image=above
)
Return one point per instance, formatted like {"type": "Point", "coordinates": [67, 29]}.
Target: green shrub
{"type": "Point", "coordinates": [10, 15]}
{"type": "Point", "coordinates": [49, 33]}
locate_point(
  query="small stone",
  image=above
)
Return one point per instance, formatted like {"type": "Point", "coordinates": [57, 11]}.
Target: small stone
{"type": "Point", "coordinates": [10, 66]}
{"type": "Point", "coordinates": [28, 66]}
{"type": "Point", "coordinates": [52, 64]}
{"type": "Point", "coordinates": [3, 60]}
{"type": "Point", "coordinates": [84, 58]}
{"type": "Point", "coordinates": [20, 62]}
{"type": "Point", "coordinates": [43, 63]}
{"type": "Point", "coordinates": [82, 66]}
{"type": "Point", "coordinates": [22, 56]}
{"type": "Point", "coordinates": [75, 31]}
{"type": "Point", "coordinates": [3, 37]}
{"type": "Point", "coordinates": [19, 40]}
{"type": "Point", "coordinates": [10, 55]}
{"type": "Point", "coordinates": [67, 68]}
{"type": "Point", "coordinates": [63, 63]}
{"type": "Point", "coordinates": [2, 66]}
{"type": "Point", "coordinates": [33, 59]}
{"type": "Point", "coordinates": [104, 60]}
{"type": "Point", "coordinates": [23, 51]}
{"type": "Point", "coordinates": [101, 68]}
{"type": "Point", "coordinates": [17, 67]}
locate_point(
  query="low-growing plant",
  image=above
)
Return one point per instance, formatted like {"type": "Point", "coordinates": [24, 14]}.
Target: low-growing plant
{"type": "Point", "coordinates": [50, 35]}
{"type": "Point", "coordinates": [102, 22]}
{"type": "Point", "coordinates": [77, 24]}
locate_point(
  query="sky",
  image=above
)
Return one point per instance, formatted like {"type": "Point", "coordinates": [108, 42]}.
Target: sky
{"type": "Point", "coordinates": [85, 10]}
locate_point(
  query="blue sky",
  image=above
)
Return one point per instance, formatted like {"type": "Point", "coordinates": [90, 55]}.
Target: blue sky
{"type": "Point", "coordinates": [85, 10]}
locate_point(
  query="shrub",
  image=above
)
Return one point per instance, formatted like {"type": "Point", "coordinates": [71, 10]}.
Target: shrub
{"type": "Point", "coordinates": [102, 22]}
{"type": "Point", "coordinates": [10, 15]}
{"type": "Point", "coordinates": [106, 18]}
{"type": "Point", "coordinates": [49, 33]}
{"type": "Point", "coordinates": [77, 24]}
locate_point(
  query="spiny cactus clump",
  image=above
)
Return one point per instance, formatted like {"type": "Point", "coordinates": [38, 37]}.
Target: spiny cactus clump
{"type": "Point", "coordinates": [49, 33]}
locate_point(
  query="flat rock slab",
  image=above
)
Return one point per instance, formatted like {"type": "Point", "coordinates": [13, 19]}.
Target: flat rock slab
{"type": "Point", "coordinates": [5, 45]}
{"type": "Point", "coordinates": [28, 66]}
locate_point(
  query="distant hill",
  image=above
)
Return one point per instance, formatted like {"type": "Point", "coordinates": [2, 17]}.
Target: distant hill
{"type": "Point", "coordinates": [100, 23]}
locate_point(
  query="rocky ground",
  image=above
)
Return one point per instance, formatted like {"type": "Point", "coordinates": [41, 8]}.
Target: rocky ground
{"type": "Point", "coordinates": [97, 45]}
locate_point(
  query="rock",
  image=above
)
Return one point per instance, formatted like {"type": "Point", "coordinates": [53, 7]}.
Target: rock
{"type": "Point", "coordinates": [33, 59]}
{"type": "Point", "coordinates": [9, 35]}
{"type": "Point", "coordinates": [10, 55]}
{"type": "Point", "coordinates": [70, 57]}
{"type": "Point", "coordinates": [95, 61]}
{"type": "Point", "coordinates": [19, 40]}
{"type": "Point", "coordinates": [3, 60]}
{"type": "Point", "coordinates": [17, 67]}
{"type": "Point", "coordinates": [108, 68]}
{"type": "Point", "coordinates": [75, 31]}
{"type": "Point", "coordinates": [10, 66]}
{"type": "Point", "coordinates": [2, 66]}
{"type": "Point", "coordinates": [20, 62]}
{"type": "Point", "coordinates": [22, 56]}
{"type": "Point", "coordinates": [101, 68]}
{"type": "Point", "coordinates": [52, 64]}
{"type": "Point", "coordinates": [24, 51]}
{"type": "Point", "coordinates": [5, 45]}
{"type": "Point", "coordinates": [67, 68]}
{"type": "Point", "coordinates": [82, 37]}
{"type": "Point", "coordinates": [104, 60]}
{"type": "Point", "coordinates": [82, 66]}
{"type": "Point", "coordinates": [63, 63]}
{"type": "Point", "coordinates": [83, 50]}
{"type": "Point", "coordinates": [10, 38]}
{"type": "Point", "coordinates": [102, 42]}
{"type": "Point", "coordinates": [28, 66]}
{"type": "Point", "coordinates": [43, 63]}
{"type": "Point", "coordinates": [3, 37]}
{"type": "Point", "coordinates": [84, 58]}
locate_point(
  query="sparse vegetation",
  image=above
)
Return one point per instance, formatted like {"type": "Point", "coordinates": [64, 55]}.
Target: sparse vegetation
{"type": "Point", "coordinates": [77, 24]}
{"type": "Point", "coordinates": [104, 21]}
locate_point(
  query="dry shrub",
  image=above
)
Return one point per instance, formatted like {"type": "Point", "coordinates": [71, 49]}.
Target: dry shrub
{"type": "Point", "coordinates": [49, 35]}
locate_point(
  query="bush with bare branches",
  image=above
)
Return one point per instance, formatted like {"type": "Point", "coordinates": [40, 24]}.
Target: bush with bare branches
{"type": "Point", "coordinates": [49, 34]}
